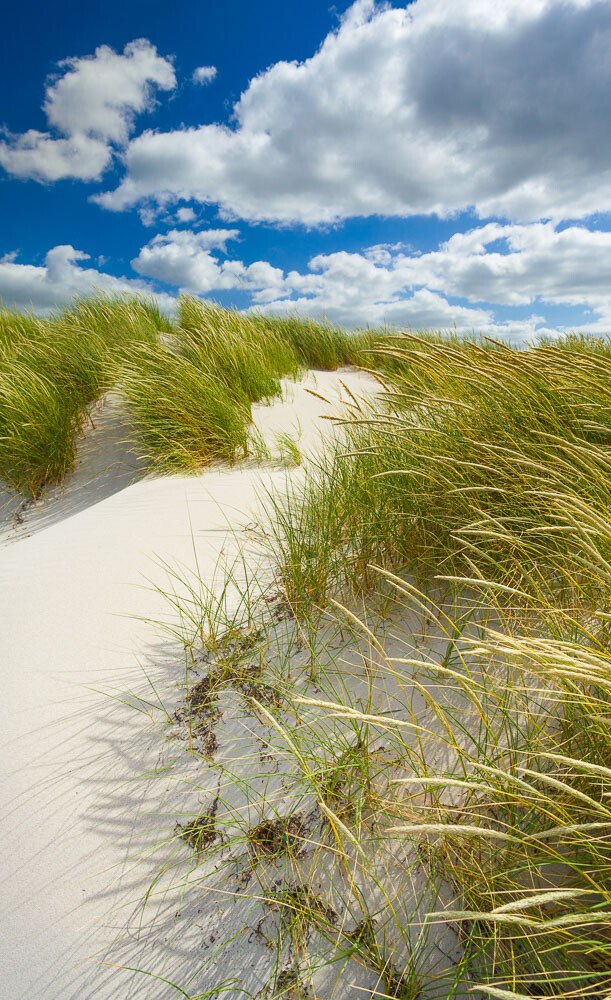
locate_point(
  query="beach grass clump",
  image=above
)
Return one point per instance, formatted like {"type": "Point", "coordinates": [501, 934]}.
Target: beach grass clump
{"type": "Point", "coordinates": [444, 754]}
{"type": "Point", "coordinates": [336, 520]}
{"type": "Point", "coordinates": [230, 345]}
{"type": "Point", "coordinates": [488, 470]}
{"type": "Point", "coordinates": [477, 463]}
{"type": "Point", "coordinates": [52, 370]}
{"type": "Point", "coordinates": [81, 352]}
{"type": "Point", "coordinates": [199, 833]}
{"type": "Point", "coordinates": [102, 330]}
{"type": "Point", "coordinates": [38, 424]}
{"type": "Point", "coordinates": [119, 319]}
{"type": "Point", "coordinates": [15, 327]}
{"type": "Point", "coordinates": [288, 450]}
{"type": "Point", "coordinates": [526, 845]}
{"type": "Point", "coordinates": [243, 345]}
{"type": "Point", "coordinates": [317, 345]}
{"type": "Point", "coordinates": [48, 377]}
{"type": "Point", "coordinates": [183, 418]}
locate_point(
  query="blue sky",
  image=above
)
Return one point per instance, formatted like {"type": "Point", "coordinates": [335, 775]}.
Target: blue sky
{"type": "Point", "coordinates": [431, 164]}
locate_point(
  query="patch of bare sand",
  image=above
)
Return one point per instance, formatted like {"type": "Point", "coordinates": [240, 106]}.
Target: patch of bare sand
{"type": "Point", "coordinates": [108, 461]}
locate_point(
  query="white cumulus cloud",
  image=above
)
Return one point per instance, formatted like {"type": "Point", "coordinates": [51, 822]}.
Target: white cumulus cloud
{"type": "Point", "coordinates": [204, 74]}
{"type": "Point", "coordinates": [185, 259]}
{"type": "Point", "coordinates": [518, 265]}
{"type": "Point", "coordinates": [535, 265]}
{"type": "Point", "coordinates": [185, 214]}
{"type": "Point", "coordinates": [53, 284]}
{"type": "Point", "coordinates": [430, 108]}
{"type": "Point", "coordinates": [90, 107]}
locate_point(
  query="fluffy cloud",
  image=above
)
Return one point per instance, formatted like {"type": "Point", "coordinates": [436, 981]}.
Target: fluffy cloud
{"type": "Point", "coordinates": [519, 265]}
{"type": "Point", "coordinates": [91, 106]}
{"type": "Point", "coordinates": [511, 265]}
{"type": "Point", "coordinates": [204, 74]}
{"type": "Point", "coordinates": [435, 107]}
{"type": "Point", "coordinates": [41, 288]}
{"type": "Point", "coordinates": [530, 265]}
{"type": "Point", "coordinates": [184, 259]}
{"type": "Point", "coordinates": [508, 265]}
{"type": "Point", "coordinates": [185, 214]}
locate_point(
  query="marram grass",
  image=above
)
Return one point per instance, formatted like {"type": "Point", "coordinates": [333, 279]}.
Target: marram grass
{"type": "Point", "coordinates": [52, 370]}
{"type": "Point", "coordinates": [249, 360]}
{"type": "Point", "coordinates": [207, 363]}
{"type": "Point", "coordinates": [38, 424]}
{"type": "Point", "coordinates": [489, 469]}
{"type": "Point", "coordinates": [184, 418]}
{"type": "Point", "coordinates": [473, 498]}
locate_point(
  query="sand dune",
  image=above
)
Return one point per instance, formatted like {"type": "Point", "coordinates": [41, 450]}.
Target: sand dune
{"type": "Point", "coordinates": [74, 599]}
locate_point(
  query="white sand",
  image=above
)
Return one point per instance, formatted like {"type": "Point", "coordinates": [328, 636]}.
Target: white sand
{"type": "Point", "coordinates": [71, 580]}
{"type": "Point", "coordinates": [90, 784]}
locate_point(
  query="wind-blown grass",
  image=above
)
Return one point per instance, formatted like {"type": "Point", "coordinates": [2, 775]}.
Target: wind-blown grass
{"type": "Point", "coordinates": [184, 418]}
{"type": "Point", "coordinates": [317, 345]}
{"type": "Point", "coordinates": [234, 348]}
{"type": "Point", "coordinates": [254, 350]}
{"type": "Point", "coordinates": [37, 430]}
{"type": "Point", "coordinates": [490, 470]}
{"type": "Point", "coordinates": [14, 327]}
{"type": "Point", "coordinates": [468, 506]}
{"type": "Point", "coordinates": [475, 498]}
{"type": "Point", "coordinates": [481, 471]}
{"type": "Point", "coordinates": [504, 449]}
{"type": "Point", "coordinates": [52, 370]}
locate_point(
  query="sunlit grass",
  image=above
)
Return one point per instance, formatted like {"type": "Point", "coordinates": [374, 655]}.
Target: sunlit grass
{"type": "Point", "coordinates": [489, 470]}
{"type": "Point", "coordinates": [317, 345]}
{"type": "Point", "coordinates": [52, 370]}
{"type": "Point", "coordinates": [469, 504]}
{"type": "Point", "coordinates": [248, 359]}
{"type": "Point", "coordinates": [183, 418]}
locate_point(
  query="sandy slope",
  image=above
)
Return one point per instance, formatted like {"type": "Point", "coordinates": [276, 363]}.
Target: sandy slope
{"type": "Point", "coordinates": [105, 464]}
{"type": "Point", "coordinates": [71, 580]}
{"type": "Point", "coordinates": [93, 780]}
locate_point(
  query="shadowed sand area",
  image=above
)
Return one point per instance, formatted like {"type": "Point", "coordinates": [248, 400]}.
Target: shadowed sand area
{"type": "Point", "coordinates": [106, 463]}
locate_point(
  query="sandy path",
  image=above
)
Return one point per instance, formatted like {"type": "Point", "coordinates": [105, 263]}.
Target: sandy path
{"type": "Point", "coordinates": [70, 596]}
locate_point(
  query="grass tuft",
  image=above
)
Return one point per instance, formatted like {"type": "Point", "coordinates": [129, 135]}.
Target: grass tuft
{"type": "Point", "coordinates": [183, 418]}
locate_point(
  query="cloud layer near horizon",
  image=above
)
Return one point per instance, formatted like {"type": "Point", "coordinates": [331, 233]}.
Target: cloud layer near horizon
{"type": "Point", "coordinates": [511, 265]}
{"type": "Point", "coordinates": [62, 276]}
{"type": "Point", "coordinates": [534, 266]}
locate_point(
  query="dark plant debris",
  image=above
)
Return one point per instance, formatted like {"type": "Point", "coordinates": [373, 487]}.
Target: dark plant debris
{"type": "Point", "coordinates": [205, 741]}
{"type": "Point", "coordinates": [274, 837]}
{"type": "Point", "coordinates": [201, 697]}
{"type": "Point", "coordinates": [200, 833]}
{"type": "Point", "coordinates": [289, 985]}
{"type": "Point", "coordinates": [242, 677]}
{"type": "Point", "coordinates": [301, 902]}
